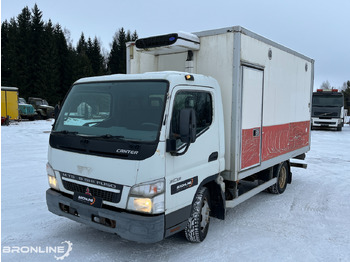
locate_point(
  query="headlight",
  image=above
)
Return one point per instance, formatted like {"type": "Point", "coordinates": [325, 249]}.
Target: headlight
{"type": "Point", "coordinates": [52, 177]}
{"type": "Point", "coordinates": [147, 197]}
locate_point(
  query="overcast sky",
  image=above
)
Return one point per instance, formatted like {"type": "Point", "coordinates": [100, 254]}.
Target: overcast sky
{"type": "Point", "coordinates": [319, 29]}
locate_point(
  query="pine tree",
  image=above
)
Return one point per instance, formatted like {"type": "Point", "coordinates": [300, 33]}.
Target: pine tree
{"type": "Point", "coordinates": [89, 48]}
{"type": "Point", "coordinates": [82, 45]}
{"type": "Point", "coordinates": [10, 54]}
{"type": "Point", "coordinates": [121, 54]}
{"type": "Point", "coordinates": [64, 66]}
{"type": "Point", "coordinates": [49, 68]}
{"type": "Point", "coordinates": [134, 36]}
{"type": "Point", "coordinates": [22, 69]}
{"type": "Point", "coordinates": [116, 62]}
{"type": "Point", "coordinates": [82, 65]}
{"type": "Point", "coordinates": [113, 60]}
{"type": "Point", "coordinates": [128, 36]}
{"type": "Point", "coordinates": [36, 56]}
{"type": "Point", "coordinates": [6, 53]}
{"type": "Point", "coordinates": [97, 58]}
{"type": "Point", "coordinates": [117, 56]}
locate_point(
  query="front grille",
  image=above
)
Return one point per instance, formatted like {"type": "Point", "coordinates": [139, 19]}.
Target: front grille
{"type": "Point", "coordinates": [105, 195]}
{"type": "Point", "coordinates": [326, 114]}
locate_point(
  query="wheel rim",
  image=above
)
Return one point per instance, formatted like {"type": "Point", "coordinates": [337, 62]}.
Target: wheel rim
{"type": "Point", "coordinates": [204, 214]}
{"type": "Point", "coordinates": [282, 177]}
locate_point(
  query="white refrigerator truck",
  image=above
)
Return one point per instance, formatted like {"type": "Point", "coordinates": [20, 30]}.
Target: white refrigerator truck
{"type": "Point", "coordinates": [201, 123]}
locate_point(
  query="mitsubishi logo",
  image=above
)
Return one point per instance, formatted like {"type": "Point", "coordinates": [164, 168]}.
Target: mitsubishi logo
{"type": "Point", "coordinates": [87, 192]}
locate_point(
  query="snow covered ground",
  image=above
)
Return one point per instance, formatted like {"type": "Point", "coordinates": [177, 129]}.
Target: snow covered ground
{"type": "Point", "coordinates": [309, 222]}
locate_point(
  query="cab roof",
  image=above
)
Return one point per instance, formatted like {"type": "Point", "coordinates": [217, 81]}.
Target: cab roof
{"type": "Point", "coordinates": [172, 76]}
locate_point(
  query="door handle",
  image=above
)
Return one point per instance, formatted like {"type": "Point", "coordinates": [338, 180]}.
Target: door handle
{"type": "Point", "coordinates": [256, 132]}
{"type": "Point", "coordinates": [213, 156]}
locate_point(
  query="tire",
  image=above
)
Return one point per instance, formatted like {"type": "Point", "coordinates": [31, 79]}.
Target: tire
{"type": "Point", "coordinates": [38, 117]}
{"type": "Point", "coordinates": [282, 179]}
{"type": "Point", "coordinates": [198, 223]}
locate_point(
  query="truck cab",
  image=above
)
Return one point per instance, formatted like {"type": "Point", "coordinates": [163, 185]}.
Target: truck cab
{"type": "Point", "coordinates": [119, 143]}
{"type": "Point", "coordinates": [327, 109]}
{"type": "Point", "coordinates": [26, 111]}
{"type": "Point", "coordinates": [42, 108]}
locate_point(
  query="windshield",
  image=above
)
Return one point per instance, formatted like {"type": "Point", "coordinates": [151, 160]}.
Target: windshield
{"type": "Point", "coordinates": [327, 100]}
{"type": "Point", "coordinates": [41, 102]}
{"type": "Point", "coordinates": [130, 111]}
{"type": "Point", "coordinates": [22, 101]}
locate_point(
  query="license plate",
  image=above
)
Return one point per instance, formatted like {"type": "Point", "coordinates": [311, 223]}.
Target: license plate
{"type": "Point", "coordinates": [87, 199]}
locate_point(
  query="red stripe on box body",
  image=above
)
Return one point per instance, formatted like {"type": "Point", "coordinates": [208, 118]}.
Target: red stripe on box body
{"type": "Point", "coordinates": [281, 139]}
{"type": "Point", "coordinates": [276, 141]}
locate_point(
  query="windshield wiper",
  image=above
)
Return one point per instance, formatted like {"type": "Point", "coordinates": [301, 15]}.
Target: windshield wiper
{"type": "Point", "coordinates": [109, 136]}
{"type": "Point", "coordinates": [65, 132]}
{"type": "Point", "coordinates": [113, 137]}
{"type": "Point", "coordinates": [104, 136]}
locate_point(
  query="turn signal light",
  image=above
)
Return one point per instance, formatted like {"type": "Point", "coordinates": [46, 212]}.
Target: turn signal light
{"type": "Point", "coordinates": [189, 77]}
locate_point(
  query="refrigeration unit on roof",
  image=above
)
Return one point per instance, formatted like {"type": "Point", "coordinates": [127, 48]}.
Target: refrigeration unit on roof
{"type": "Point", "coordinates": [168, 44]}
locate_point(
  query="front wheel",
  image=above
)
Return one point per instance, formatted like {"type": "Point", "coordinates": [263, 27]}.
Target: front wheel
{"type": "Point", "coordinates": [198, 223]}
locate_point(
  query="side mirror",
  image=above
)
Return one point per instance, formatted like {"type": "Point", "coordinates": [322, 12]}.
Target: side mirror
{"type": "Point", "coordinates": [188, 125]}
{"type": "Point", "coordinates": [188, 132]}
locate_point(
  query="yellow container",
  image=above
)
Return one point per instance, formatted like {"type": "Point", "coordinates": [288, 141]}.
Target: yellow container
{"type": "Point", "coordinates": [9, 102]}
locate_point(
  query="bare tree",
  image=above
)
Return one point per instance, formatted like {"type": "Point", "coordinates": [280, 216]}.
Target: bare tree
{"type": "Point", "coordinates": [326, 85]}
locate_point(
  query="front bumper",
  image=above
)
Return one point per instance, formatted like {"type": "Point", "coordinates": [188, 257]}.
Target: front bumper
{"type": "Point", "coordinates": [335, 122]}
{"type": "Point", "coordinates": [138, 228]}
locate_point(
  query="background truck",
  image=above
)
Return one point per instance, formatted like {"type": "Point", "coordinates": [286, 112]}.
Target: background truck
{"type": "Point", "coordinates": [156, 152]}
{"type": "Point", "coordinates": [42, 108]}
{"type": "Point", "coordinates": [9, 104]}
{"type": "Point", "coordinates": [26, 111]}
{"type": "Point", "coordinates": [328, 109]}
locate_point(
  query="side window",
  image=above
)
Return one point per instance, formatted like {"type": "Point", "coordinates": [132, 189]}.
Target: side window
{"type": "Point", "coordinates": [202, 104]}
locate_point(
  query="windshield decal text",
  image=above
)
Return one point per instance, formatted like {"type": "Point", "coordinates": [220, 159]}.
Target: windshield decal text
{"type": "Point", "coordinates": [126, 151]}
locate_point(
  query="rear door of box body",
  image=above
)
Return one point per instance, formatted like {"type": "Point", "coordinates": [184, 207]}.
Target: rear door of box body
{"type": "Point", "coordinates": [251, 130]}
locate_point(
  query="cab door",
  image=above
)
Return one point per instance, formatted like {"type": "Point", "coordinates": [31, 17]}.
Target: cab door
{"type": "Point", "coordinates": [185, 172]}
